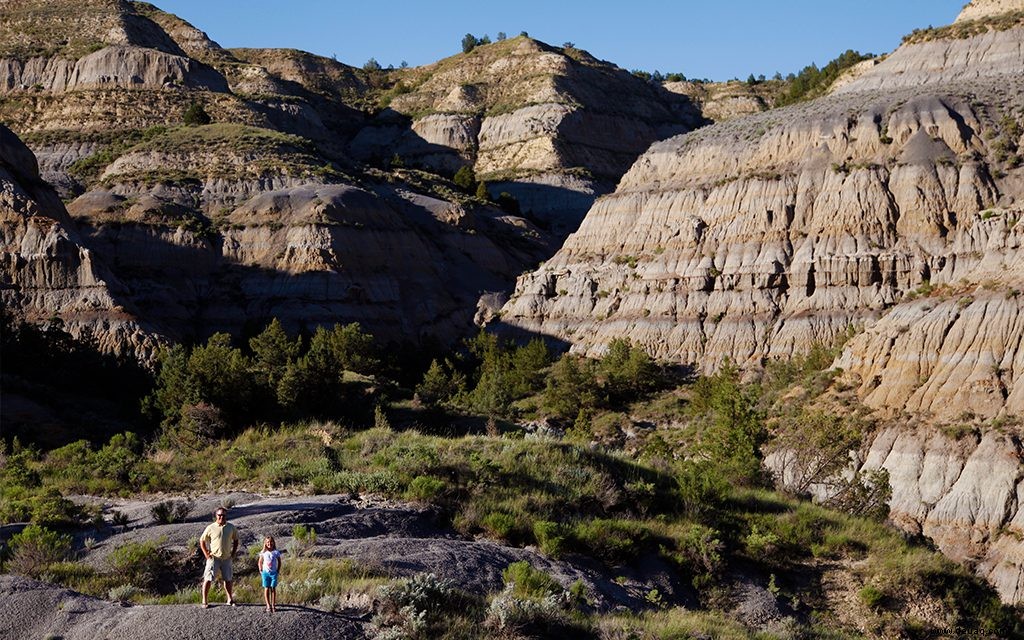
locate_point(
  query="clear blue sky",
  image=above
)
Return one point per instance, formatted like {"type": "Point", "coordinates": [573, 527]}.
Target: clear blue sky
{"type": "Point", "coordinates": [715, 39]}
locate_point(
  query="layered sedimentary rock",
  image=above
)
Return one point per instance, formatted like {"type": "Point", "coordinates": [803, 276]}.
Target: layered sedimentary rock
{"type": "Point", "coordinates": [259, 214]}
{"type": "Point", "coordinates": [981, 9]}
{"type": "Point", "coordinates": [958, 484]}
{"type": "Point", "coordinates": [963, 494]}
{"type": "Point", "coordinates": [223, 227]}
{"type": "Point", "coordinates": [891, 209]}
{"type": "Point", "coordinates": [761, 236]}
{"type": "Point", "coordinates": [554, 127]}
{"type": "Point", "coordinates": [720, 101]}
{"type": "Point", "coordinates": [45, 270]}
{"type": "Point", "coordinates": [103, 71]}
{"type": "Point", "coordinates": [115, 66]}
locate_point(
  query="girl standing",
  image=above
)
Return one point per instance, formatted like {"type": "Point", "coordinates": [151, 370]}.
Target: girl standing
{"type": "Point", "coordinates": [269, 564]}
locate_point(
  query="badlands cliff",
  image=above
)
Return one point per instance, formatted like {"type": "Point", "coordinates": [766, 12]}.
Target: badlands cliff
{"type": "Point", "coordinates": [221, 226]}
{"type": "Point", "coordinates": [553, 126]}
{"type": "Point", "coordinates": [45, 265]}
{"type": "Point", "coordinates": [889, 208]}
{"type": "Point", "coordinates": [762, 236]}
{"type": "Point", "coordinates": [265, 212]}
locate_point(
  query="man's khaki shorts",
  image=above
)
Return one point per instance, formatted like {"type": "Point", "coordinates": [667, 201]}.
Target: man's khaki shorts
{"type": "Point", "coordinates": [216, 566]}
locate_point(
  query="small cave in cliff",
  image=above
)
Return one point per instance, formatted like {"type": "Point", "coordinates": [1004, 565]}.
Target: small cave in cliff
{"type": "Point", "coordinates": [810, 281]}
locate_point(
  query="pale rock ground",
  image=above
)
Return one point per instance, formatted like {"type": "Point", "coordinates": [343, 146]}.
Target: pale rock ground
{"type": "Point", "coordinates": [38, 610]}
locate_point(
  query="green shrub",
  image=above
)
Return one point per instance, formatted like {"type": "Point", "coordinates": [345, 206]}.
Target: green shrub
{"type": "Point", "coordinates": [628, 370]}
{"type": "Point", "coordinates": [50, 508]}
{"type": "Point", "coordinates": [465, 178]}
{"type": "Point", "coordinates": [35, 548]}
{"type": "Point", "coordinates": [759, 543]}
{"type": "Point", "coordinates": [196, 115]}
{"type": "Point", "coordinates": [611, 541]}
{"type": "Point", "coordinates": [733, 427]}
{"type": "Point", "coordinates": [571, 386]}
{"type": "Point", "coordinates": [143, 564]}
{"type": "Point", "coordinates": [418, 608]}
{"type": "Point", "coordinates": [812, 82]}
{"type": "Point", "coordinates": [500, 525]}
{"type": "Point", "coordinates": [272, 353]}
{"type": "Point", "coordinates": [124, 593]}
{"type": "Point", "coordinates": [701, 486]}
{"type": "Point", "coordinates": [441, 383]}
{"type": "Point", "coordinates": [171, 511]}
{"type": "Point", "coordinates": [511, 617]}
{"type": "Point", "coordinates": [78, 576]}
{"type": "Point", "coordinates": [508, 203]}
{"type": "Point", "coordinates": [469, 42]}
{"type": "Point", "coordinates": [525, 581]}
{"type": "Point", "coordinates": [425, 488]}
{"type": "Point", "coordinates": [304, 539]}
{"type": "Point", "coordinates": [699, 551]}
{"type": "Point", "coordinates": [872, 596]}
{"type": "Point", "coordinates": [551, 537]}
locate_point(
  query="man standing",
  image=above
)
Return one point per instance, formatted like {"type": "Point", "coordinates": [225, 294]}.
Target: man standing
{"type": "Point", "coordinates": [219, 543]}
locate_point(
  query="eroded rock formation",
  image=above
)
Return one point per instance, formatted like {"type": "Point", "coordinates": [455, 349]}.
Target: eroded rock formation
{"type": "Point", "coordinates": [536, 121]}
{"type": "Point", "coordinates": [260, 214]}
{"type": "Point", "coordinates": [890, 207]}
{"type": "Point", "coordinates": [45, 270]}
{"type": "Point", "coordinates": [761, 236]}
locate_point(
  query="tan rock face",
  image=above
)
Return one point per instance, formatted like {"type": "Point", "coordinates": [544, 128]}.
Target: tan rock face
{"type": "Point", "coordinates": [223, 226]}
{"type": "Point", "coordinates": [288, 246]}
{"type": "Point", "coordinates": [980, 9]}
{"type": "Point", "coordinates": [893, 206]}
{"type": "Point", "coordinates": [46, 271]}
{"type": "Point", "coordinates": [721, 101]}
{"type": "Point", "coordinates": [758, 237]}
{"type": "Point", "coordinates": [117, 66]}
{"type": "Point", "coordinates": [525, 114]}
{"type": "Point", "coordinates": [988, 55]}
{"type": "Point", "coordinates": [962, 494]}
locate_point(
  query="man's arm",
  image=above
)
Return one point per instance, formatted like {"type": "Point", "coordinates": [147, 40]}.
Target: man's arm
{"type": "Point", "coordinates": [205, 549]}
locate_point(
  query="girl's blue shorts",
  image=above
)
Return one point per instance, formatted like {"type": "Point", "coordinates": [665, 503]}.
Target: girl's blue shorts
{"type": "Point", "coordinates": [269, 579]}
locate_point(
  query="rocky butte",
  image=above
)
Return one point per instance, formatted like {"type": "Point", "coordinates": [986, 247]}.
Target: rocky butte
{"type": "Point", "coordinates": [277, 201]}
{"type": "Point", "coordinates": [889, 208]}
